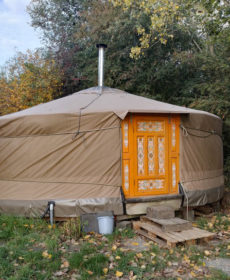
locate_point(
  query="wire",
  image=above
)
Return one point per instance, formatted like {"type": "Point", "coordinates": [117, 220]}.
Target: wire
{"type": "Point", "coordinates": [83, 108]}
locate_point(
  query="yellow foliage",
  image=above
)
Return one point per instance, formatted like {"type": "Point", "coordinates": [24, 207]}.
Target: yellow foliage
{"type": "Point", "coordinates": [105, 270]}
{"type": "Point", "coordinates": [119, 273]}
{"type": "Point", "coordinates": [162, 14]}
{"type": "Point", "coordinates": [28, 80]}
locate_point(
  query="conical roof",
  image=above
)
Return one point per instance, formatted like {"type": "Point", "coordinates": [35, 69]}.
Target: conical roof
{"type": "Point", "coordinates": [96, 99]}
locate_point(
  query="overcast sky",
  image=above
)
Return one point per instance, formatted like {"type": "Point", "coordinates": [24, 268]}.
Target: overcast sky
{"type": "Point", "coordinates": [16, 34]}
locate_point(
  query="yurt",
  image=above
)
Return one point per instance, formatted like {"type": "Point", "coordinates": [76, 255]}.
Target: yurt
{"type": "Point", "coordinates": [103, 149]}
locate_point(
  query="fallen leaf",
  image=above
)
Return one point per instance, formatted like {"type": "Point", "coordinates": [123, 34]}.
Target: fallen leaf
{"type": "Point", "coordinates": [139, 255]}
{"type": "Point", "coordinates": [90, 272]}
{"type": "Point", "coordinates": [135, 243]}
{"type": "Point", "coordinates": [207, 253]}
{"type": "Point", "coordinates": [65, 264]}
{"type": "Point", "coordinates": [111, 265]}
{"type": "Point", "coordinates": [86, 237]}
{"type": "Point", "coordinates": [193, 274]}
{"type": "Point", "coordinates": [119, 273]}
{"type": "Point", "coordinates": [196, 267]}
{"type": "Point", "coordinates": [58, 273]}
{"type": "Point", "coordinates": [45, 254]}
{"type": "Point", "coordinates": [111, 258]}
{"type": "Point", "coordinates": [210, 225]}
{"type": "Point", "coordinates": [186, 258]}
{"type": "Point", "coordinates": [143, 266]}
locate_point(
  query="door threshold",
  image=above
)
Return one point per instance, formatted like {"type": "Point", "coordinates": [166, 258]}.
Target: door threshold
{"type": "Point", "coordinates": [152, 198]}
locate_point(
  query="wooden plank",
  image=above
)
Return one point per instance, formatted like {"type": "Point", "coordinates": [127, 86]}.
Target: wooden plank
{"type": "Point", "coordinates": [202, 233]}
{"type": "Point", "coordinates": [187, 234]}
{"type": "Point", "coordinates": [136, 225]}
{"type": "Point", "coordinates": [160, 212]}
{"type": "Point", "coordinates": [156, 230]}
{"type": "Point", "coordinates": [173, 224]}
{"type": "Point", "coordinates": [152, 237]}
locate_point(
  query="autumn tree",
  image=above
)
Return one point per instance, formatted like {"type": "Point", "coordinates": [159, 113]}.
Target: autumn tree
{"type": "Point", "coordinates": [26, 80]}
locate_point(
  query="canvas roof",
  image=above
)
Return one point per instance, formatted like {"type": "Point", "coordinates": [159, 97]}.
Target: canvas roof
{"type": "Point", "coordinates": [95, 100]}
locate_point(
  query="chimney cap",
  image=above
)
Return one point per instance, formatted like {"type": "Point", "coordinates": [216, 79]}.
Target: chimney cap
{"type": "Point", "coordinates": [101, 45]}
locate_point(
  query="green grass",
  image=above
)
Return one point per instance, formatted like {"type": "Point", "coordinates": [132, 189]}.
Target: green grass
{"type": "Point", "coordinates": [94, 263]}
{"type": "Point", "coordinates": [217, 274]}
{"type": "Point", "coordinates": [30, 249]}
{"type": "Point", "coordinates": [22, 243]}
{"type": "Point", "coordinates": [215, 224]}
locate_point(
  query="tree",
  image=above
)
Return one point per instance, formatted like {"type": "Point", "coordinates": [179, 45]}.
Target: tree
{"type": "Point", "coordinates": [59, 20]}
{"type": "Point", "coordinates": [203, 17]}
{"type": "Point", "coordinates": [26, 80]}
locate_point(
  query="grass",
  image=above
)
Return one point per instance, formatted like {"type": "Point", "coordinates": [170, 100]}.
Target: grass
{"type": "Point", "coordinates": [217, 223]}
{"type": "Point", "coordinates": [31, 249]}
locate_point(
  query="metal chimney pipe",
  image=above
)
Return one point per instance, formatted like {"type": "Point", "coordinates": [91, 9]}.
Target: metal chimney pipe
{"type": "Point", "coordinates": [101, 51]}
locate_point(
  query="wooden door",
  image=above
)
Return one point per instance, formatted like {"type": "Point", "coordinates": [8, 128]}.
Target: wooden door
{"type": "Point", "coordinates": [150, 155]}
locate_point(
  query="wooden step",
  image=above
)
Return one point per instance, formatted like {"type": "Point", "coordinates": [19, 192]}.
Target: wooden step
{"type": "Point", "coordinates": [160, 212]}
{"type": "Point", "coordinates": [172, 238]}
{"type": "Point", "coordinates": [173, 224]}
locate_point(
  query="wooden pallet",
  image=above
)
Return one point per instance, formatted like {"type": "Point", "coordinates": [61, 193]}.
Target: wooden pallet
{"type": "Point", "coordinates": [172, 224]}
{"type": "Point", "coordinates": [172, 238]}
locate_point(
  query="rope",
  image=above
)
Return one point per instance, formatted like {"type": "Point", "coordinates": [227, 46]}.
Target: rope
{"type": "Point", "coordinates": [63, 133]}
{"type": "Point", "coordinates": [194, 180]}
{"type": "Point", "coordinates": [185, 132]}
{"type": "Point", "coordinates": [47, 182]}
{"type": "Point", "coordinates": [210, 133]}
{"type": "Point", "coordinates": [185, 197]}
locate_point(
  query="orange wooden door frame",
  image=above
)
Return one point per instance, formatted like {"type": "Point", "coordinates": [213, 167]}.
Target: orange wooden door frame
{"type": "Point", "coordinates": [157, 130]}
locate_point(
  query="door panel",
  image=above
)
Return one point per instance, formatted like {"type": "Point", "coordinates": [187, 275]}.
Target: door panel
{"type": "Point", "coordinates": [150, 155]}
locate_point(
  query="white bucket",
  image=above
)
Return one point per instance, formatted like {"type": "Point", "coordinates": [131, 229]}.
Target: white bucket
{"type": "Point", "coordinates": [105, 224]}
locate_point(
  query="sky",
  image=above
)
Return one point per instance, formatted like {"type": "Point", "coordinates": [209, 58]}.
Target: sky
{"type": "Point", "coordinates": [16, 34]}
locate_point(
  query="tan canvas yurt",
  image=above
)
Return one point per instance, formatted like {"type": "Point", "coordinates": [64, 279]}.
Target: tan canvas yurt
{"type": "Point", "coordinates": [105, 149]}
